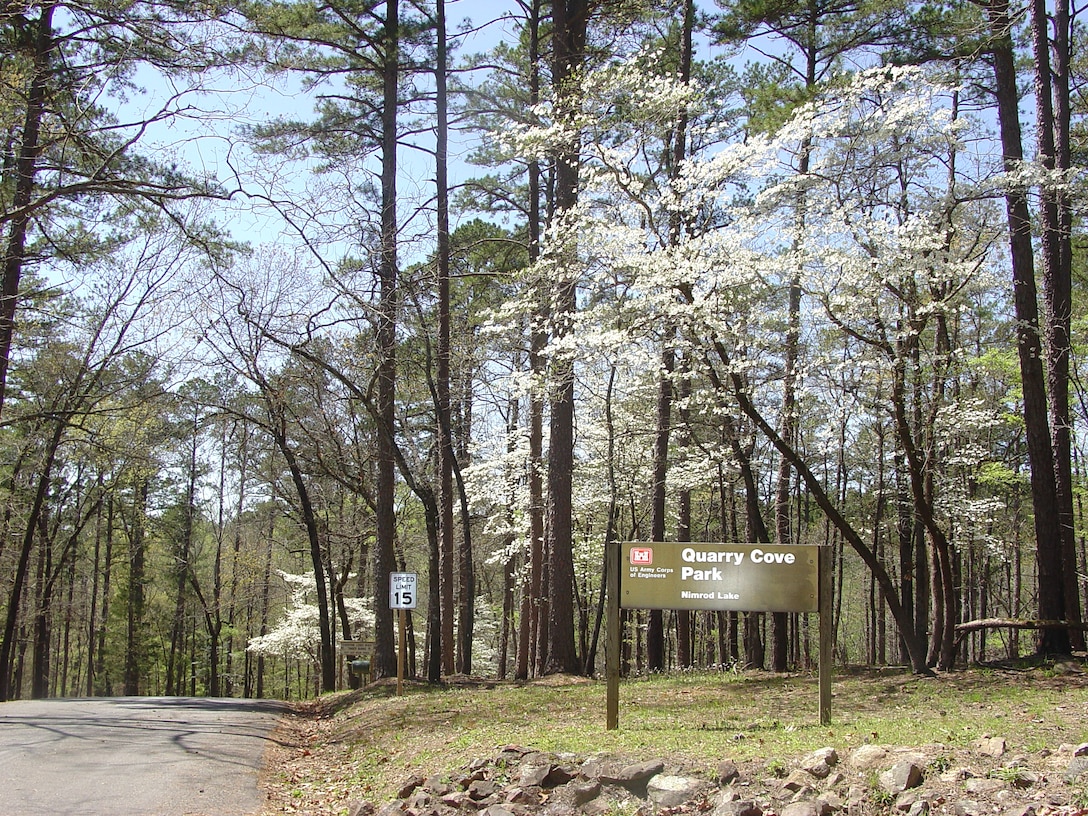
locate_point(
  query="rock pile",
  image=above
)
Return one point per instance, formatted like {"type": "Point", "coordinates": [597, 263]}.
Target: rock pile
{"type": "Point", "coordinates": [517, 781]}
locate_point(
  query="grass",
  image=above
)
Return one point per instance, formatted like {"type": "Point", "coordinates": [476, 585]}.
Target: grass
{"type": "Point", "coordinates": [379, 739]}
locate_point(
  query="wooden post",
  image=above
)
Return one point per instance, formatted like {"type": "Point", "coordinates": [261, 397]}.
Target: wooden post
{"type": "Point", "coordinates": [826, 633]}
{"type": "Point", "coordinates": [612, 641]}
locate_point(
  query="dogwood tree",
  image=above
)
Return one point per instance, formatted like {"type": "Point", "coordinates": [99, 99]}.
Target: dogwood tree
{"type": "Point", "coordinates": [898, 242]}
{"type": "Point", "coordinates": [297, 635]}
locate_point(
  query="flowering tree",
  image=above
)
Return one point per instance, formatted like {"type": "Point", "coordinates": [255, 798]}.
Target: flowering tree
{"type": "Point", "coordinates": [898, 238]}
{"type": "Point", "coordinates": [297, 636]}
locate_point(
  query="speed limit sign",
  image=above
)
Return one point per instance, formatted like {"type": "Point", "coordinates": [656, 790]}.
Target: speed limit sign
{"type": "Point", "coordinates": [402, 590]}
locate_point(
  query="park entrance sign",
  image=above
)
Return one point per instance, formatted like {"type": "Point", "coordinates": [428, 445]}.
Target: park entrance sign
{"type": "Point", "coordinates": [717, 577]}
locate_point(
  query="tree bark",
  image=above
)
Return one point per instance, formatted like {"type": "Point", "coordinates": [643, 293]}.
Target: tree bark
{"type": "Point", "coordinates": [1048, 546]}
{"type": "Point", "coordinates": [655, 628]}
{"type": "Point", "coordinates": [26, 168]}
{"type": "Point", "coordinates": [1052, 107]}
{"type": "Point", "coordinates": [384, 660]}
{"type": "Point", "coordinates": [136, 646]}
{"type": "Point", "coordinates": [569, 26]}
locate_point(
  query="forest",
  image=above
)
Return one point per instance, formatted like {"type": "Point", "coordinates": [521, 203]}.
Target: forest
{"type": "Point", "coordinates": [299, 294]}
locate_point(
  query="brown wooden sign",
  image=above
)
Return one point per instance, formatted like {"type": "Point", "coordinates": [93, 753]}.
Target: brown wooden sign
{"type": "Point", "coordinates": [724, 577]}
{"type": "Point", "coordinates": [729, 577]}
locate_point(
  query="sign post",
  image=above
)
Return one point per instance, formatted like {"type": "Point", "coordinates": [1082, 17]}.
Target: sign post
{"type": "Point", "coordinates": [402, 597]}
{"type": "Point", "coordinates": [827, 638]}
{"type": "Point", "coordinates": [612, 639]}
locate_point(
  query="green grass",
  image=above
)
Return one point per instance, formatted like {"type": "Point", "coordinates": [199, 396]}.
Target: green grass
{"type": "Point", "coordinates": [698, 718]}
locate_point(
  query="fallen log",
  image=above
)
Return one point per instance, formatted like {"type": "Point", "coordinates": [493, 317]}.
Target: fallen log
{"type": "Point", "coordinates": [962, 629]}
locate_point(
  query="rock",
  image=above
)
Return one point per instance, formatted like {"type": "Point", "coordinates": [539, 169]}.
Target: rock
{"type": "Point", "coordinates": [991, 746]}
{"type": "Point", "coordinates": [456, 799]}
{"type": "Point", "coordinates": [901, 776]}
{"type": "Point", "coordinates": [967, 807]}
{"type": "Point", "coordinates": [438, 785]}
{"type": "Point", "coordinates": [409, 786]}
{"type": "Point", "coordinates": [635, 774]}
{"type": "Point", "coordinates": [533, 775]}
{"type": "Point", "coordinates": [669, 791]}
{"type": "Point", "coordinates": [956, 775]}
{"type": "Point", "coordinates": [1081, 750]}
{"type": "Point", "coordinates": [1077, 768]}
{"type": "Point", "coordinates": [481, 789]}
{"type": "Point", "coordinates": [868, 756]}
{"type": "Point", "coordinates": [532, 783]}
{"type": "Point", "coordinates": [796, 781]}
{"type": "Point", "coordinates": [819, 763]}
{"type": "Point", "coordinates": [804, 808]}
{"type": "Point", "coordinates": [983, 786]}
{"type": "Point", "coordinates": [906, 800]}
{"type": "Point", "coordinates": [727, 772]}
{"type": "Point", "coordinates": [1026, 778]}
{"type": "Point", "coordinates": [583, 791]}
{"type": "Point", "coordinates": [832, 801]}
{"type": "Point", "coordinates": [559, 775]}
{"type": "Point", "coordinates": [738, 807]}
{"type": "Point", "coordinates": [522, 796]}
{"type": "Point", "coordinates": [361, 809]}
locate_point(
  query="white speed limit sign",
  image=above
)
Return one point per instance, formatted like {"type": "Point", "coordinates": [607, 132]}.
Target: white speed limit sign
{"type": "Point", "coordinates": [402, 590]}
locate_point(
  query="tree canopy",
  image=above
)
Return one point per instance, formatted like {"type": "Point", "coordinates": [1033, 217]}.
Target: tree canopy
{"type": "Point", "coordinates": [299, 295]}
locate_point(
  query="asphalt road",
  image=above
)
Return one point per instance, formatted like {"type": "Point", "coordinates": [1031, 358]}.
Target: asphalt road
{"type": "Point", "coordinates": [134, 756]}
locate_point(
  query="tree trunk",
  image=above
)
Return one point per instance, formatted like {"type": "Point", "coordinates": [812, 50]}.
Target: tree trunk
{"type": "Point", "coordinates": [327, 650]}
{"type": "Point", "coordinates": [1052, 121]}
{"type": "Point", "coordinates": [442, 373]}
{"type": "Point", "coordinates": [569, 25]}
{"type": "Point", "coordinates": [1048, 546]}
{"type": "Point", "coordinates": [384, 662]}
{"type": "Point", "coordinates": [26, 168]}
{"type": "Point", "coordinates": [136, 646]}
{"type": "Point", "coordinates": [655, 629]}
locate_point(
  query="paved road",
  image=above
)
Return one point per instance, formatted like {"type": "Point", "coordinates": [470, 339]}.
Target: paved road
{"type": "Point", "coordinates": [133, 756]}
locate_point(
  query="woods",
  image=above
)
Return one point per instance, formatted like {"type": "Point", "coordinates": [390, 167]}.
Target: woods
{"type": "Point", "coordinates": [298, 294]}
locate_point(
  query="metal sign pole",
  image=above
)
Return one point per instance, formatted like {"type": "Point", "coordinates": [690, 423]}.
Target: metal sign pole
{"type": "Point", "coordinates": [401, 650]}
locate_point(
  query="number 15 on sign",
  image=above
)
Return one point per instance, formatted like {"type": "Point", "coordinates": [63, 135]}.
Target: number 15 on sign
{"type": "Point", "coordinates": [402, 590]}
